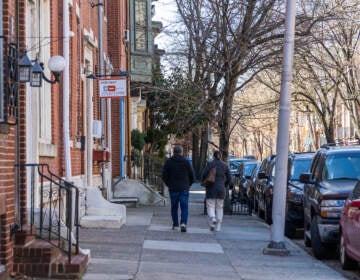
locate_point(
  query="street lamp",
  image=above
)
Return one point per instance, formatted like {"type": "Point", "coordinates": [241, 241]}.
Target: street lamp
{"type": "Point", "coordinates": [56, 65]}
{"type": "Point", "coordinates": [24, 69]}
{"type": "Point", "coordinates": [20, 69]}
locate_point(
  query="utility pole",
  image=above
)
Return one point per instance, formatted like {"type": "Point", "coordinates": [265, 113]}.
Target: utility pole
{"type": "Point", "coordinates": [277, 244]}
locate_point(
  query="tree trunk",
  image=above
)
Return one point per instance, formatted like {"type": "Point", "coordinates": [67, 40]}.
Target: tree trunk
{"type": "Point", "coordinates": [196, 151]}
{"type": "Point", "coordinates": [225, 120]}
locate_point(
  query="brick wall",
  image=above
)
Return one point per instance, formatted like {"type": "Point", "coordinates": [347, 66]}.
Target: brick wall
{"type": "Point", "coordinates": [9, 140]}
{"type": "Point", "coordinates": [117, 23]}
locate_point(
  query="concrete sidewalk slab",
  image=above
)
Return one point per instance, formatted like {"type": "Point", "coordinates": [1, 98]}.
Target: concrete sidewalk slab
{"type": "Point", "coordinates": [146, 248]}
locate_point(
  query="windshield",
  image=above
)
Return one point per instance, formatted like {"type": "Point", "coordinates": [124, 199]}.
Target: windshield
{"type": "Point", "coordinates": [342, 166]}
{"type": "Point", "coordinates": [299, 166]}
{"type": "Point", "coordinates": [234, 164]}
{"type": "Point", "coordinates": [248, 168]}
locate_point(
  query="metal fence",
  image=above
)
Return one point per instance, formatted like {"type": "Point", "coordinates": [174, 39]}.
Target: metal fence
{"type": "Point", "coordinates": [54, 208]}
{"type": "Point", "coordinates": [149, 170]}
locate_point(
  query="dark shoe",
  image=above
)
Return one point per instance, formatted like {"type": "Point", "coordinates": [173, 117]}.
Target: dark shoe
{"type": "Point", "coordinates": [175, 228]}
{"type": "Point", "coordinates": [183, 227]}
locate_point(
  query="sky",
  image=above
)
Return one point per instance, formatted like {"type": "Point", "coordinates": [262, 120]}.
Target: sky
{"type": "Point", "coordinates": [166, 12]}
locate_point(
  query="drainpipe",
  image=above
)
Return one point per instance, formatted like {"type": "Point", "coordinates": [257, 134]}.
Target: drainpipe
{"type": "Point", "coordinates": [122, 138]}
{"type": "Point", "coordinates": [66, 85]}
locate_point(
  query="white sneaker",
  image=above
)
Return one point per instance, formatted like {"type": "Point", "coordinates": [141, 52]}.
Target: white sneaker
{"type": "Point", "coordinates": [218, 226]}
{"type": "Point", "coordinates": [212, 224]}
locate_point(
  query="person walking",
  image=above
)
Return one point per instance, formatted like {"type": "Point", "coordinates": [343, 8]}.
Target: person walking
{"type": "Point", "coordinates": [215, 193]}
{"type": "Point", "coordinates": [178, 176]}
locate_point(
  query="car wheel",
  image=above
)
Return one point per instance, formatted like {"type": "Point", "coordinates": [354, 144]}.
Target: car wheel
{"type": "Point", "coordinates": [319, 249]}
{"type": "Point", "coordinates": [290, 229]}
{"type": "Point", "coordinates": [345, 260]}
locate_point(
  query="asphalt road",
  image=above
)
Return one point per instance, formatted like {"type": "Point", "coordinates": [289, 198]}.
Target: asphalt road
{"type": "Point", "coordinates": [333, 263]}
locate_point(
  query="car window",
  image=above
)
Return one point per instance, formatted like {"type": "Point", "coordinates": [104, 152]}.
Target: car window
{"type": "Point", "coordinates": [342, 166]}
{"type": "Point", "coordinates": [299, 166]}
{"type": "Point", "coordinates": [248, 168]}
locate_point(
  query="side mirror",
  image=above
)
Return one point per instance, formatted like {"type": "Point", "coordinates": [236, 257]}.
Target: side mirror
{"type": "Point", "coordinates": [262, 175]}
{"type": "Point", "coordinates": [306, 178]}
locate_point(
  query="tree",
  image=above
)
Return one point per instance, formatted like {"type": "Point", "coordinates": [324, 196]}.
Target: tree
{"type": "Point", "coordinates": [230, 41]}
{"type": "Point", "coordinates": [137, 139]}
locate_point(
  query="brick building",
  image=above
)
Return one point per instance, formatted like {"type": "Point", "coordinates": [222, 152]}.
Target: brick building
{"type": "Point", "coordinates": [64, 125]}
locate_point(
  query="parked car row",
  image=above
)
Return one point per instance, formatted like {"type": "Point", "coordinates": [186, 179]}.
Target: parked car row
{"type": "Point", "coordinates": [329, 221]}
{"type": "Point", "coordinates": [323, 199]}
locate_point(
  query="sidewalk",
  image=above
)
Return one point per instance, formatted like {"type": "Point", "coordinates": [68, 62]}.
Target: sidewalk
{"type": "Point", "coordinates": [146, 248]}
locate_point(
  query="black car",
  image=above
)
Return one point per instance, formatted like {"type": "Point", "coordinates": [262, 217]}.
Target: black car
{"type": "Point", "coordinates": [294, 216]}
{"type": "Point", "coordinates": [334, 172]}
{"type": "Point", "coordinates": [245, 170]}
{"type": "Point", "coordinates": [263, 188]}
{"type": "Point", "coordinates": [249, 186]}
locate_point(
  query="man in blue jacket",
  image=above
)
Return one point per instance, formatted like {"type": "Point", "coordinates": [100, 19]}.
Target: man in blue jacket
{"type": "Point", "coordinates": [178, 175]}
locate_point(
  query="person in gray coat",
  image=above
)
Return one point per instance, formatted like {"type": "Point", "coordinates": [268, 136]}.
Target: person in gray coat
{"type": "Point", "coordinates": [215, 193]}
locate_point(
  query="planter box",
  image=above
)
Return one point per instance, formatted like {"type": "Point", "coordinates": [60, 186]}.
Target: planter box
{"type": "Point", "coordinates": [101, 156]}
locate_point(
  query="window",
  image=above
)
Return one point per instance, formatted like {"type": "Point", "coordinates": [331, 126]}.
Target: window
{"type": "Point", "coordinates": [140, 18]}
{"type": "Point", "coordinates": [344, 166]}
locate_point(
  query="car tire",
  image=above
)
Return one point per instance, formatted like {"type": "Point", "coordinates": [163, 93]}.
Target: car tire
{"type": "Point", "coordinates": [347, 263]}
{"type": "Point", "coordinates": [290, 229]}
{"type": "Point", "coordinates": [318, 247]}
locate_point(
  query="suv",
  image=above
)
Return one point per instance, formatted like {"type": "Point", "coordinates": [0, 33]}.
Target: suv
{"type": "Point", "coordinates": [294, 212]}
{"type": "Point", "coordinates": [334, 172]}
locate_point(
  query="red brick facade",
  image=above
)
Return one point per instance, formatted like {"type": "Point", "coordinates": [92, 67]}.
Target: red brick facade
{"type": "Point", "coordinates": [13, 139]}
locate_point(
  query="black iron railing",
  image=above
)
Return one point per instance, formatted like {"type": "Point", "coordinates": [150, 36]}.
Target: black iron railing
{"type": "Point", "coordinates": [150, 171]}
{"type": "Point", "coordinates": [54, 208]}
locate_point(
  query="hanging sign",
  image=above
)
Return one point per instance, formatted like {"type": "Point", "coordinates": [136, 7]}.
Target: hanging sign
{"type": "Point", "coordinates": [112, 88]}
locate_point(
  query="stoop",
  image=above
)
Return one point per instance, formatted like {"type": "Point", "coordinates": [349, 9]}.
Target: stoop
{"type": "Point", "coordinates": [102, 221]}
{"type": "Point", "coordinates": [38, 258]}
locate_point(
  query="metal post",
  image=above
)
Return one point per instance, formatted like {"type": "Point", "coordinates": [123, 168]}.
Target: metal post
{"type": "Point", "coordinates": [277, 245]}
{"type": "Point", "coordinates": [66, 91]}
{"type": "Point", "coordinates": [101, 66]}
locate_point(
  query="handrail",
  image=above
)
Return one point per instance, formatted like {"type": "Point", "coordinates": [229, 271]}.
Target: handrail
{"type": "Point", "coordinates": [58, 208]}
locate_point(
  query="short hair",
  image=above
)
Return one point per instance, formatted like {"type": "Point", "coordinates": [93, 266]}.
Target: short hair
{"type": "Point", "coordinates": [178, 150]}
{"type": "Point", "coordinates": [217, 154]}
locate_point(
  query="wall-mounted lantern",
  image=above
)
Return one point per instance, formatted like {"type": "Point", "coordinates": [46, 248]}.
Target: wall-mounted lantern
{"type": "Point", "coordinates": [56, 65]}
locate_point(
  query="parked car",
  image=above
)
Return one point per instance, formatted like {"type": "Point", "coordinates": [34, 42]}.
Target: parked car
{"type": "Point", "coordinates": [334, 172]}
{"type": "Point", "coordinates": [349, 244]}
{"type": "Point", "coordinates": [264, 187]}
{"type": "Point", "coordinates": [294, 216]}
{"type": "Point", "coordinates": [249, 185]}
{"type": "Point", "coordinates": [234, 165]}
{"type": "Point", "coordinates": [245, 169]}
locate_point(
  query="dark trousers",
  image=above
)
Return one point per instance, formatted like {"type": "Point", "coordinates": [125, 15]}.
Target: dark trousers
{"type": "Point", "coordinates": [181, 198]}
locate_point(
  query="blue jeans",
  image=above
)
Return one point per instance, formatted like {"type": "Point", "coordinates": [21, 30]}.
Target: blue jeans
{"type": "Point", "coordinates": [181, 198]}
